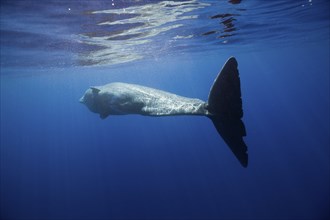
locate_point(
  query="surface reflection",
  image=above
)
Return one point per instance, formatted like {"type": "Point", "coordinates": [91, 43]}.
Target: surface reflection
{"type": "Point", "coordinates": [127, 34]}
{"type": "Point", "coordinates": [102, 32]}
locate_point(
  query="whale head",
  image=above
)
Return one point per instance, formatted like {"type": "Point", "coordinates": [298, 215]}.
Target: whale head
{"type": "Point", "coordinates": [90, 99]}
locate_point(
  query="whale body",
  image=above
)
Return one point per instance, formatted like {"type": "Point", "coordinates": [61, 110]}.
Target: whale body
{"type": "Point", "coordinates": [123, 98]}
{"type": "Point", "coordinates": [224, 105]}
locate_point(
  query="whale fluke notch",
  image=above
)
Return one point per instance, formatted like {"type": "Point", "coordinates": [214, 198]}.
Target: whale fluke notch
{"type": "Point", "coordinates": [226, 112]}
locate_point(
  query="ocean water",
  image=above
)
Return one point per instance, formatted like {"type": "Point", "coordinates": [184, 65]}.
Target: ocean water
{"type": "Point", "coordinates": [61, 161]}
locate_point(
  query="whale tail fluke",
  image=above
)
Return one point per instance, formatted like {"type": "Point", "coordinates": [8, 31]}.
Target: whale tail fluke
{"type": "Point", "coordinates": [226, 112]}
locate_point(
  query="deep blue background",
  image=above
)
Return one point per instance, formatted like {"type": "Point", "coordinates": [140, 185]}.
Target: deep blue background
{"type": "Point", "coordinates": [61, 161]}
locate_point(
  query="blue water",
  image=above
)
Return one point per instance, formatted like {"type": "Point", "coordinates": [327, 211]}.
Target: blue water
{"type": "Point", "coordinates": [61, 161]}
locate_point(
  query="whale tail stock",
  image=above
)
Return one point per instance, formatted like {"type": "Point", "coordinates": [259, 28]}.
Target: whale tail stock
{"type": "Point", "coordinates": [225, 108]}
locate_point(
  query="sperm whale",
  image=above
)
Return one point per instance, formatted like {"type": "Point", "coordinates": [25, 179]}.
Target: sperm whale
{"type": "Point", "coordinates": [223, 107]}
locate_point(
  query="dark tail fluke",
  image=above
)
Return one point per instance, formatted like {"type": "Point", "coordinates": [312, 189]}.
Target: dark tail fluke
{"type": "Point", "coordinates": [226, 112]}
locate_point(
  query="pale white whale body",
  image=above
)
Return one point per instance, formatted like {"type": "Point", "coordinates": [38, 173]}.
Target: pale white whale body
{"type": "Point", "coordinates": [224, 105]}
{"type": "Point", "coordinates": [123, 98]}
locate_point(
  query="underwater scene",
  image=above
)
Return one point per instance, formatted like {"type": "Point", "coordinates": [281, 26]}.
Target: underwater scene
{"type": "Point", "coordinates": [180, 109]}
